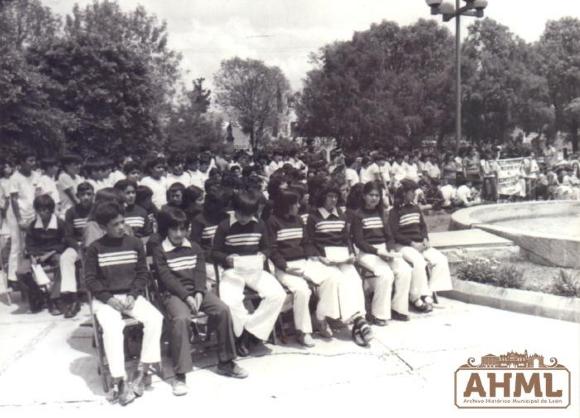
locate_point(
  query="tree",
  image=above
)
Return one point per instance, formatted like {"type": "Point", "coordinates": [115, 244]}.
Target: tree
{"type": "Point", "coordinates": [26, 22]}
{"type": "Point", "coordinates": [190, 127]}
{"type": "Point", "coordinates": [389, 85]}
{"type": "Point", "coordinates": [502, 85]}
{"type": "Point", "coordinates": [559, 48]}
{"type": "Point", "coordinates": [252, 93]}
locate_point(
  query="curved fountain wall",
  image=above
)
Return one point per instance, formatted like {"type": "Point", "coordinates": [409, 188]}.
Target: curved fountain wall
{"type": "Point", "coordinates": [546, 247]}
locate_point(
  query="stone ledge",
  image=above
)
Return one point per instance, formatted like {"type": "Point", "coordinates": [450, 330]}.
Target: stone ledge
{"type": "Point", "coordinates": [516, 300]}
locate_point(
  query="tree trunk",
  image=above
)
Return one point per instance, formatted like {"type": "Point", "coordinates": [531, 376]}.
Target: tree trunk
{"type": "Point", "coordinates": [574, 137]}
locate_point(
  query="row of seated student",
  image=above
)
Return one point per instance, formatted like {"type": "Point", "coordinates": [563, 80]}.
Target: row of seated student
{"type": "Point", "coordinates": [309, 249]}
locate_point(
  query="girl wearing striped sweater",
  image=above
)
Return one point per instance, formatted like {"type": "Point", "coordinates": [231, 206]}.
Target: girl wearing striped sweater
{"type": "Point", "coordinates": [328, 242]}
{"type": "Point", "coordinates": [295, 270]}
{"type": "Point", "coordinates": [372, 238]}
{"type": "Point", "coordinates": [412, 241]}
{"type": "Point", "coordinates": [241, 246]}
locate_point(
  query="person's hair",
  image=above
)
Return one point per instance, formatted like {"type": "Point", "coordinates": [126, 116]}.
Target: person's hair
{"type": "Point", "coordinates": [171, 217]}
{"type": "Point", "coordinates": [106, 211]}
{"type": "Point", "coordinates": [124, 183]}
{"type": "Point", "coordinates": [325, 190]}
{"type": "Point", "coordinates": [24, 154]}
{"type": "Point", "coordinates": [175, 160]}
{"type": "Point", "coordinates": [283, 201]}
{"type": "Point", "coordinates": [48, 162]}
{"type": "Point", "coordinates": [44, 201]}
{"type": "Point", "coordinates": [94, 164]}
{"type": "Point", "coordinates": [246, 202]}
{"type": "Point", "coordinates": [191, 194]}
{"type": "Point", "coordinates": [211, 183]}
{"type": "Point", "coordinates": [230, 180]}
{"type": "Point", "coordinates": [67, 159]}
{"type": "Point", "coordinates": [374, 186]}
{"type": "Point", "coordinates": [175, 187]}
{"type": "Point", "coordinates": [214, 206]}
{"type": "Point", "coordinates": [274, 184]}
{"type": "Point", "coordinates": [131, 166]}
{"type": "Point", "coordinates": [406, 186]}
{"type": "Point", "coordinates": [355, 197]}
{"type": "Point", "coordinates": [150, 164]}
{"type": "Point", "coordinates": [84, 187]}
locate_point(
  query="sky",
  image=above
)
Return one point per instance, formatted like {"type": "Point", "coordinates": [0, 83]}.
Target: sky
{"type": "Point", "coordinates": [285, 32]}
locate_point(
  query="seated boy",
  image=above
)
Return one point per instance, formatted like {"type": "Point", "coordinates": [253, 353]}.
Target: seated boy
{"type": "Point", "coordinates": [135, 216]}
{"type": "Point", "coordinates": [181, 268]}
{"type": "Point", "coordinates": [241, 246]}
{"type": "Point", "coordinates": [75, 221]}
{"type": "Point", "coordinates": [44, 243]}
{"type": "Point", "coordinates": [116, 274]}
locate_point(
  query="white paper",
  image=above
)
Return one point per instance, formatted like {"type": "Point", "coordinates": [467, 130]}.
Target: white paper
{"type": "Point", "coordinates": [40, 276]}
{"type": "Point", "coordinates": [337, 254]}
{"type": "Point", "coordinates": [248, 264]}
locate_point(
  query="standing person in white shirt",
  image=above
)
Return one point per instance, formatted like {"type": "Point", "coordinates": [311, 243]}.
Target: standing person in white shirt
{"type": "Point", "coordinates": [68, 181]}
{"type": "Point", "coordinates": [96, 173]}
{"type": "Point", "coordinates": [49, 167]}
{"type": "Point", "coordinates": [117, 173]}
{"type": "Point", "coordinates": [398, 170]}
{"type": "Point", "coordinates": [412, 169]}
{"type": "Point", "coordinates": [156, 181]}
{"type": "Point", "coordinates": [431, 168]}
{"type": "Point", "coordinates": [176, 174]}
{"type": "Point", "coordinates": [350, 173]}
{"type": "Point", "coordinates": [24, 187]}
{"type": "Point", "coordinates": [366, 172]}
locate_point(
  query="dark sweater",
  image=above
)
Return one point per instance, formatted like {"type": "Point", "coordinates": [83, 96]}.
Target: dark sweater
{"type": "Point", "coordinates": [181, 270]}
{"type": "Point", "coordinates": [232, 237]}
{"type": "Point", "coordinates": [368, 229]}
{"type": "Point", "coordinates": [75, 222]}
{"type": "Point", "coordinates": [203, 232]}
{"type": "Point", "coordinates": [321, 232]}
{"type": "Point", "coordinates": [287, 239]}
{"type": "Point", "coordinates": [116, 265]}
{"type": "Point", "coordinates": [41, 241]}
{"type": "Point", "coordinates": [138, 219]}
{"type": "Point", "coordinates": [407, 224]}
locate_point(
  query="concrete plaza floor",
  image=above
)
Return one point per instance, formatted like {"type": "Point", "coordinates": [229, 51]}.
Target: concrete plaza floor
{"type": "Point", "coordinates": [48, 368]}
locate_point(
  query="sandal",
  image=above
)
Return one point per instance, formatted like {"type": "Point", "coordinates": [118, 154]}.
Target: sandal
{"type": "Point", "coordinates": [362, 333]}
{"type": "Point", "coordinates": [422, 306]}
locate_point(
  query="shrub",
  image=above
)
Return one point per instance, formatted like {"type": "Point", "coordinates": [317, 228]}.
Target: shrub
{"type": "Point", "coordinates": [480, 270]}
{"type": "Point", "coordinates": [509, 276]}
{"type": "Point", "coordinates": [566, 283]}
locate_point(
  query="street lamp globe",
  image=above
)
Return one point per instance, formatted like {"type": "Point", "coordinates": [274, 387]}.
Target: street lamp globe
{"type": "Point", "coordinates": [447, 9]}
{"type": "Point", "coordinates": [479, 4]}
{"type": "Point", "coordinates": [433, 3]}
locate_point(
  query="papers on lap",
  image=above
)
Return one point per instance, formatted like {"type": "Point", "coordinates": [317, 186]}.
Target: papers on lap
{"type": "Point", "coordinates": [337, 254]}
{"type": "Point", "coordinates": [248, 264]}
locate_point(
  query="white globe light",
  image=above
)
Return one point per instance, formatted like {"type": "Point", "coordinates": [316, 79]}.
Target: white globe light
{"type": "Point", "coordinates": [447, 8]}
{"type": "Point", "coordinates": [480, 4]}
{"type": "Point", "coordinates": [433, 3]}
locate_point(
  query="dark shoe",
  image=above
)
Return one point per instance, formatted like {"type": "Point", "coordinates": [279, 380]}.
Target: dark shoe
{"type": "Point", "coordinates": [231, 369]}
{"type": "Point", "coordinates": [53, 307]}
{"type": "Point", "coordinates": [399, 316]}
{"type": "Point", "coordinates": [72, 309]}
{"type": "Point", "coordinates": [126, 395]}
{"type": "Point", "coordinates": [421, 306]}
{"type": "Point", "coordinates": [373, 320]}
{"type": "Point", "coordinates": [138, 383]}
{"type": "Point", "coordinates": [242, 349]}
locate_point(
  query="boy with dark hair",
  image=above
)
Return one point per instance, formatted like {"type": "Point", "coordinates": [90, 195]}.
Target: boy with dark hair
{"type": "Point", "coordinates": [241, 246]}
{"type": "Point", "coordinates": [132, 171]}
{"type": "Point", "coordinates": [44, 244]}
{"type": "Point", "coordinates": [75, 221]}
{"type": "Point", "coordinates": [156, 181]}
{"type": "Point", "coordinates": [181, 268]}
{"type": "Point", "coordinates": [135, 216]}
{"type": "Point", "coordinates": [177, 173]}
{"type": "Point", "coordinates": [116, 274]}
{"type": "Point", "coordinates": [49, 168]}
{"type": "Point", "coordinates": [68, 180]}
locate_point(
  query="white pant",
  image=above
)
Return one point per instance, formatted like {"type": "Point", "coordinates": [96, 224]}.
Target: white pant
{"type": "Point", "coordinates": [351, 297]}
{"type": "Point", "coordinates": [210, 273]}
{"type": "Point", "coordinates": [261, 322]}
{"type": "Point", "coordinates": [440, 275]}
{"type": "Point", "coordinates": [386, 273]}
{"type": "Point", "coordinates": [112, 323]}
{"type": "Point", "coordinates": [327, 282]}
{"type": "Point", "coordinates": [68, 259]}
{"type": "Point", "coordinates": [17, 237]}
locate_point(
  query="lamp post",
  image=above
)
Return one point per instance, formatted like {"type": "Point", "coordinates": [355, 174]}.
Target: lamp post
{"type": "Point", "coordinates": [473, 8]}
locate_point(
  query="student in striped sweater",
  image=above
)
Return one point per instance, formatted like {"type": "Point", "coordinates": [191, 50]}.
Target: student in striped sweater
{"type": "Point", "coordinates": [328, 241]}
{"type": "Point", "coordinates": [135, 216]}
{"type": "Point", "coordinates": [180, 266]}
{"type": "Point", "coordinates": [371, 237]}
{"type": "Point", "coordinates": [75, 222]}
{"type": "Point", "coordinates": [116, 274]}
{"type": "Point", "coordinates": [204, 227]}
{"type": "Point", "coordinates": [412, 241]}
{"type": "Point", "coordinates": [241, 246]}
{"type": "Point", "coordinates": [295, 270]}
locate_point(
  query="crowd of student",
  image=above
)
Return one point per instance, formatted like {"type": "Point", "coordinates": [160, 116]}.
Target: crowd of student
{"type": "Point", "coordinates": [277, 225]}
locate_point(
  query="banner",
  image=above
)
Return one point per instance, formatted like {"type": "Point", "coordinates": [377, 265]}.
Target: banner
{"type": "Point", "coordinates": [508, 176]}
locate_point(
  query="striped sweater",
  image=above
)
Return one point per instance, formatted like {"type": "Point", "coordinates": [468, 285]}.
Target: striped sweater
{"type": "Point", "coordinates": [287, 239]}
{"type": "Point", "coordinates": [325, 229]}
{"type": "Point", "coordinates": [116, 265]}
{"type": "Point", "coordinates": [407, 224]}
{"type": "Point", "coordinates": [368, 229]}
{"type": "Point", "coordinates": [232, 237]}
{"type": "Point", "coordinates": [40, 240]}
{"type": "Point", "coordinates": [75, 222]}
{"type": "Point", "coordinates": [181, 270]}
{"type": "Point", "coordinates": [203, 232]}
{"type": "Point", "coordinates": [138, 219]}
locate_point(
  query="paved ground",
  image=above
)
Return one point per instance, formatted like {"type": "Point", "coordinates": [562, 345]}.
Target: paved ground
{"type": "Point", "coordinates": [47, 366]}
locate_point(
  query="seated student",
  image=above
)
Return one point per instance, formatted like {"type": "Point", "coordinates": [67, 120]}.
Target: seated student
{"type": "Point", "coordinates": [372, 238]}
{"type": "Point", "coordinates": [93, 231]}
{"type": "Point", "coordinates": [181, 268]}
{"type": "Point", "coordinates": [135, 216]}
{"type": "Point", "coordinates": [328, 241]}
{"type": "Point", "coordinates": [116, 274]}
{"type": "Point", "coordinates": [204, 227]}
{"type": "Point", "coordinates": [143, 198]}
{"type": "Point", "coordinates": [412, 241]}
{"type": "Point", "coordinates": [156, 181]}
{"type": "Point", "coordinates": [174, 195]}
{"type": "Point", "coordinates": [75, 222]}
{"type": "Point", "coordinates": [464, 196]}
{"type": "Point", "coordinates": [44, 243]}
{"type": "Point", "coordinates": [241, 246]}
{"type": "Point", "coordinates": [193, 198]}
{"type": "Point", "coordinates": [295, 270]}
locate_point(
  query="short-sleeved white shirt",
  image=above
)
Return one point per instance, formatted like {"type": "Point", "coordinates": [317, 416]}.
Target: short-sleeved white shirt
{"type": "Point", "coordinates": [159, 189]}
{"type": "Point", "coordinates": [27, 188]}
{"type": "Point", "coordinates": [184, 179]}
{"type": "Point", "coordinates": [65, 182]}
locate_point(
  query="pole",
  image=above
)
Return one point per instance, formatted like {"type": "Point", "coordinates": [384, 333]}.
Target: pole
{"type": "Point", "coordinates": [457, 77]}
